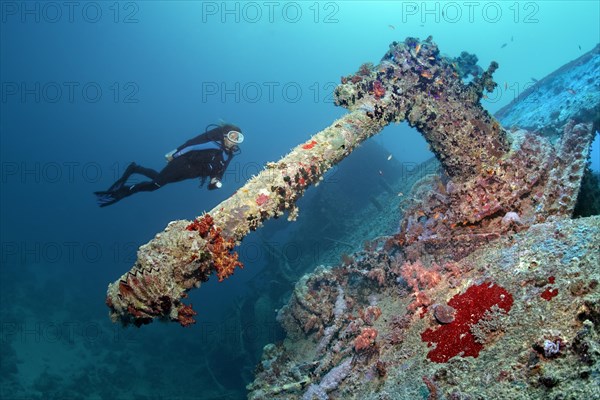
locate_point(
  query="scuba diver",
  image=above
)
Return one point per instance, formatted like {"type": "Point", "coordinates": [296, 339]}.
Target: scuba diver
{"type": "Point", "coordinates": [205, 156]}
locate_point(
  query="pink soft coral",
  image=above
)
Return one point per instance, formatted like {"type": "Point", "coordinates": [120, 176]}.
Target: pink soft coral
{"type": "Point", "coordinates": [261, 199]}
{"type": "Point", "coordinates": [419, 277]}
{"type": "Point", "coordinates": [365, 339]}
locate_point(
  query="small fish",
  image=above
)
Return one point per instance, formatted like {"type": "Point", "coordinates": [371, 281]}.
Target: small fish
{"type": "Point", "coordinates": [381, 172]}
{"type": "Point", "coordinates": [427, 74]}
{"type": "Point", "coordinates": [571, 91]}
{"type": "Point", "coordinates": [389, 157]}
{"type": "Point", "coordinates": [417, 49]}
{"type": "Point", "coordinates": [505, 85]}
{"type": "Point", "coordinates": [422, 25]}
{"type": "Point", "coordinates": [512, 38]}
{"type": "Point", "coordinates": [400, 194]}
{"type": "Point", "coordinates": [504, 45]}
{"type": "Point", "coordinates": [392, 27]}
{"type": "Point", "coordinates": [579, 47]}
{"type": "Point", "coordinates": [534, 80]}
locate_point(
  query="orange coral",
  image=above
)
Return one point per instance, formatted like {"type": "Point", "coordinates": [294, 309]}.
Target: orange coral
{"type": "Point", "coordinates": [310, 145]}
{"type": "Point", "coordinates": [202, 225]}
{"type": "Point", "coordinates": [223, 259]}
{"type": "Point", "coordinates": [378, 90]}
{"type": "Point", "coordinates": [185, 315]}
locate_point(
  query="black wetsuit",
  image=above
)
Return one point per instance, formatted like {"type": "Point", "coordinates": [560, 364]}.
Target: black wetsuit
{"type": "Point", "coordinates": [204, 156]}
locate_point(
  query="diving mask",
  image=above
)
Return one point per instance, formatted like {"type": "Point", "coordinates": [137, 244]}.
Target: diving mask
{"type": "Point", "coordinates": [235, 137]}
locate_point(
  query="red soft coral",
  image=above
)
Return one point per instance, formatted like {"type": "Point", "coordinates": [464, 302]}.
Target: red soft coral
{"type": "Point", "coordinates": [456, 338]}
{"type": "Point", "coordinates": [223, 259]}
{"type": "Point", "coordinates": [310, 145]}
{"type": "Point", "coordinates": [202, 225]}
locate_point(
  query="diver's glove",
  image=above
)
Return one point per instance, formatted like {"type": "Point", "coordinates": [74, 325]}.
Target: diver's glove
{"type": "Point", "coordinates": [214, 184]}
{"type": "Point", "coordinates": [169, 155]}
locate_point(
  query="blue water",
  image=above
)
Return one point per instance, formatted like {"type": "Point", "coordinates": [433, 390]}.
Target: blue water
{"type": "Point", "coordinates": [88, 87]}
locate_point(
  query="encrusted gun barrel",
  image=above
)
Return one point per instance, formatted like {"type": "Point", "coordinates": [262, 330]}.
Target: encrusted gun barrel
{"type": "Point", "coordinates": [186, 253]}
